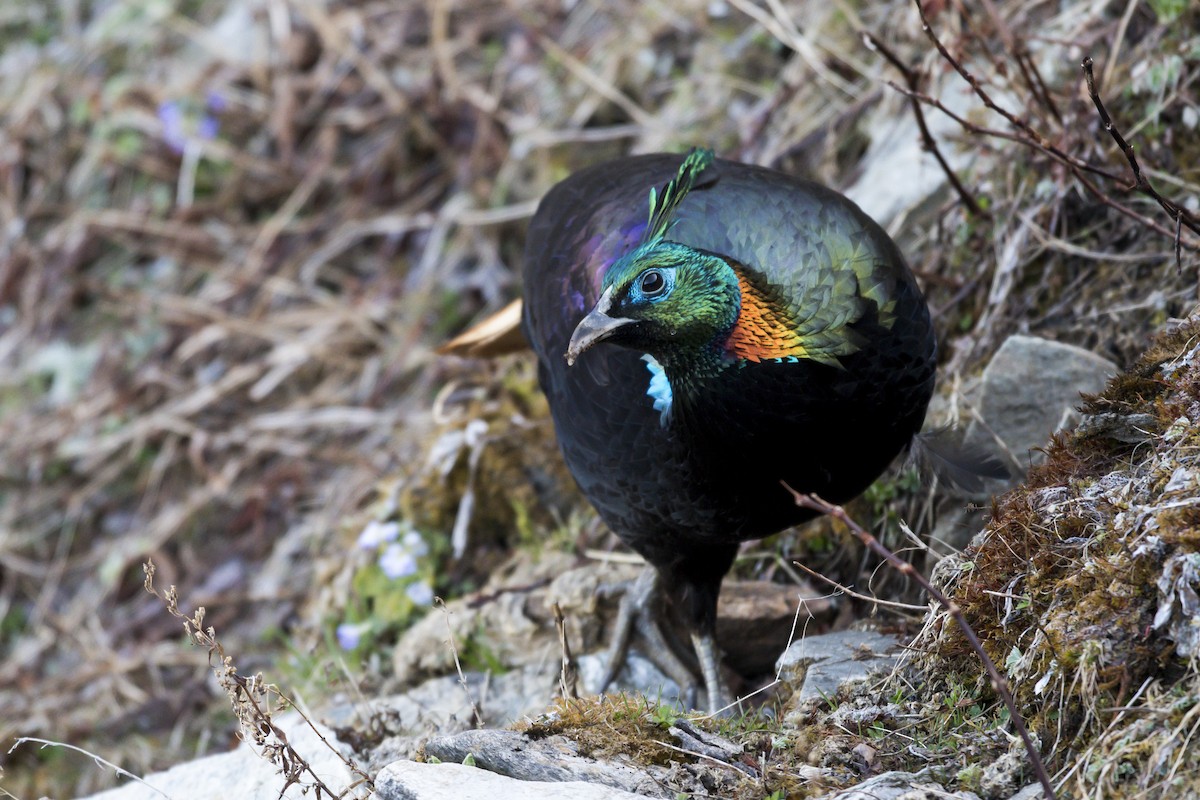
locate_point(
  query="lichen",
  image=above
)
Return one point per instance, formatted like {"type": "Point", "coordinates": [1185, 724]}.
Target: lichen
{"type": "Point", "coordinates": [1066, 587]}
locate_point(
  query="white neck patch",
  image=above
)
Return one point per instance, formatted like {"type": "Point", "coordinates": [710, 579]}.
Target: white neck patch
{"type": "Point", "coordinates": [659, 389]}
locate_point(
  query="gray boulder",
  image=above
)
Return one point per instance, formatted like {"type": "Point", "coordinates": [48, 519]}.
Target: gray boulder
{"type": "Point", "coordinates": [819, 665]}
{"type": "Point", "coordinates": [1031, 389]}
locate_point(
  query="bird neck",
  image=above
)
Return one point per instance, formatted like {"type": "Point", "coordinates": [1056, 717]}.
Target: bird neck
{"type": "Point", "coordinates": [763, 328]}
{"type": "Point", "coordinates": [766, 327]}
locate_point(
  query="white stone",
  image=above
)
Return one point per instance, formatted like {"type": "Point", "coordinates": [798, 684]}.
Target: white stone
{"type": "Point", "coordinates": [243, 773]}
{"type": "Point", "coordinates": [410, 780]}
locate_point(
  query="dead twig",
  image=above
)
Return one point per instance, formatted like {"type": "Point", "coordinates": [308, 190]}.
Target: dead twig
{"type": "Point", "coordinates": [859, 595]}
{"type": "Point", "coordinates": [99, 761]}
{"type": "Point", "coordinates": [999, 684]}
{"type": "Point", "coordinates": [1028, 136]}
{"type": "Point", "coordinates": [245, 694]}
{"type": "Point", "coordinates": [462, 679]}
{"type": "Point", "coordinates": [927, 140]}
{"type": "Point", "coordinates": [1141, 183]}
{"type": "Point", "coordinates": [568, 676]}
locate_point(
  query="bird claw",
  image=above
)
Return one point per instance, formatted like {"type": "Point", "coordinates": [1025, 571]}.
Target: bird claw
{"type": "Point", "coordinates": [641, 610]}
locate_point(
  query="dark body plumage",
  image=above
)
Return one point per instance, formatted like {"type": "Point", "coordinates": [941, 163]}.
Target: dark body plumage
{"type": "Point", "coordinates": [684, 490]}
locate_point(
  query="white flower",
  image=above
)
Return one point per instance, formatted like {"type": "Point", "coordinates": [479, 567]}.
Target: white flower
{"type": "Point", "coordinates": [397, 562]}
{"type": "Point", "coordinates": [376, 533]}
{"type": "Point", "coordinates": [420, 593]}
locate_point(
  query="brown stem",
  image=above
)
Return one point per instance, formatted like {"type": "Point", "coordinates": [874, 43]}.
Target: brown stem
{"type": "Point", "coordinates": [927, 139]}
{"type": "Point", "coordinates": [1141, 183]}
{"type": "Point", "coordinates": [1030, 137]}
{"type": "Point", "coordinates": [999, 684]}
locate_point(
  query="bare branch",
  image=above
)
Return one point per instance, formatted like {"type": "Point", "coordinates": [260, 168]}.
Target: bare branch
{"type": "Point", "coordinates": [1140, 182]}
{"type": "Point", "coordinates": [999, 684]}
{"type": "Point", "coordinates": [927, 139]}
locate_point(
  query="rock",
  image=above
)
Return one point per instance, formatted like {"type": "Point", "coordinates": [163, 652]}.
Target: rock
{"type": "Point", "coordinates": [1006, 774]}
{"type": "Point", "coordinates": [637, 674]}
{"type": "Point", "coordinates": [756, 619]}
{"type": "Point", "coordinates": [444, 705]}
{"type": "Point", "coordinates": [507, 620]}
{"type": "Point", "coordinates": [408, 780]}
{"type": "Point", "coordinates": [512, 622]}
{"type": "Point", "coordinates": [553, 758]}
{"type": "Point", "coordinates": [243, 773]}
{"type": "Point", "coordinates": [819, 665]}
{"type": "Point", "coordinates": [1032, 791]}
{"type": "Point", "coordinates": [897, 785]}
{"type": "Point", "coordinates": [1031, 389]}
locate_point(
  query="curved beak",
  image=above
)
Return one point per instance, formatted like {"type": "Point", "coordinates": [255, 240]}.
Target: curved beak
{"type": "Point", "coordinates": [595, 327]}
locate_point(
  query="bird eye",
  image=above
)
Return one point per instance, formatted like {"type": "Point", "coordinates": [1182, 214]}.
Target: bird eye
{"type": "Point", "coordinates": [653, 283]}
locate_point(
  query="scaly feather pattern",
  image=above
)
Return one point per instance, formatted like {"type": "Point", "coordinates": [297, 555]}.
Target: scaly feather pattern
{"type": "Point", "coordinates": [785, 338]}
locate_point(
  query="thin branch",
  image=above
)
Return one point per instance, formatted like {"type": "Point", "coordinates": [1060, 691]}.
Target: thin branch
{"type": "Point", "coordinates": [1030, 137]}
{"type": "Point", "coordinates": [462, 679]}
{"type": "Point", "coordinates": [1034, 138]}
{"type": "Point", "coordinates": [1015, 47]}
{"type": "Point", "coordinates": [999, 684]}
{"type": "Point", "coordinates": [100, 761]}
{"type": "Point", "coordinates": [927, 139]}
{"type": "Point", "coordinates": [1066, 159]}
{"type": "Point", "coordinates": [1140, 182]}
{"type": "Point", "coordinates": [859, 595]}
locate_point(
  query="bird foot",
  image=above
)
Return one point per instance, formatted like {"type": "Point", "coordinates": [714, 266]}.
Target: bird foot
{"type": "Point", "coordinates": [641, 610]}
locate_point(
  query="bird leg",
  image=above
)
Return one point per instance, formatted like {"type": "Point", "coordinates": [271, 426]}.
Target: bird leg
{"type": "Point", "coordinates": [642, 609]}
{"type": "Point", "coordinates": [710, 665]}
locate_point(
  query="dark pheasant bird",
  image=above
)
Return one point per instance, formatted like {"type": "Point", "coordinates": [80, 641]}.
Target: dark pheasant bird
{"type": "Point", "coordinates": [705, 330]}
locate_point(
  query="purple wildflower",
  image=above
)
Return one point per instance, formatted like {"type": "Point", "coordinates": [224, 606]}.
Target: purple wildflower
{"type": "Point", "coordinates": [207, 128]}
{"type": "Point", "coordinates": [349, 634]}
{"type": "Point", "coordinates": [420, 593]}
{"type": "Point", "coordinates": [397, 562]}
{"type": "Point", "coordinates": [376, 533]}
{"type": "Point", "coordinates": [415, 544]}
{"type": "Point", "coordinates": [170, 114]}
{"type": "Point", "coordinates": [216, 101]}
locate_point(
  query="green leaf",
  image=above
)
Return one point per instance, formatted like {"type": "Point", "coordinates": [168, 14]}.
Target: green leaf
{"type": "Point", "coordinates": [1014, 658]}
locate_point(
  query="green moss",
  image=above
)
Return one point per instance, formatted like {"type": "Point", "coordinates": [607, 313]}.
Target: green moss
{"type": "Point", "coordinates": [638, 730]}
{"type": "Point", "coordinates": [1063, 592]}
{"type": "Point", "coordinates": [609, 726]}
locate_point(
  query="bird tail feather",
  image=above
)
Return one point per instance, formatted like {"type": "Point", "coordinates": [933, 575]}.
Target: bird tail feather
{"type": "Point", "coordinates": [962, 465]}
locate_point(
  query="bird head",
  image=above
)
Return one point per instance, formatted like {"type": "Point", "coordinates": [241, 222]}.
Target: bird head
{"type": "Point", "coordinates": [665, 299]}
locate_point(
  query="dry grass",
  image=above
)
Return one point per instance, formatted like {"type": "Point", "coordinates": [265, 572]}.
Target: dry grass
{"type": "Point", "coordinates": [232, 233]}
{"type": "Point", "coordinates": [1082, 588]}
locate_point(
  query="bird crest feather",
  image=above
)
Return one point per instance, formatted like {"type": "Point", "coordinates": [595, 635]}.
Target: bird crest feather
{"type": "Point", "coordinates": [663, 203]}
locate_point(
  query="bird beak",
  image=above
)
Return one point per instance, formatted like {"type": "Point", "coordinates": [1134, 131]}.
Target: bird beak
{"type": "Point", "coordinates": [595, 327]}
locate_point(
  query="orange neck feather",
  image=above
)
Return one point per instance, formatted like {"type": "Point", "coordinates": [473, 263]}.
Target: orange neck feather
{"type": "Point", "coordinates": [763, 330]}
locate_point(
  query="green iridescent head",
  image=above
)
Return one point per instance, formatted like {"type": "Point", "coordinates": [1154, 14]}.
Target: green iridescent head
{"type": "Point", "coordinates": [663, 297]}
